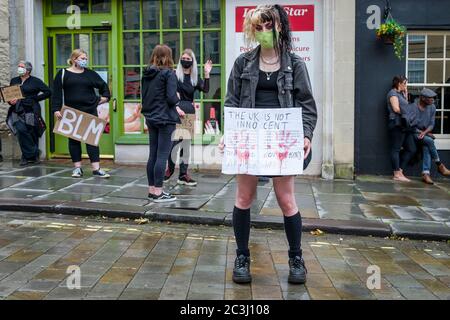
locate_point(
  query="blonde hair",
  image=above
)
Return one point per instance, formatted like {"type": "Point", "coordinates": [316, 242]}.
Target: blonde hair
{"type": "Point", "coordinates": [194, 69]}
{"type": "Point", "coordinates": [74, 56]}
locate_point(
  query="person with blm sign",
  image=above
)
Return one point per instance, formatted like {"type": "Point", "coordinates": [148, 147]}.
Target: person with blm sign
{"type": "Point", "coordinates": [75, 87]}
{"type": "Point", "coordinates": [270, 76]}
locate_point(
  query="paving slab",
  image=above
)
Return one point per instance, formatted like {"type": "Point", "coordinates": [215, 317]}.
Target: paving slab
{"type": "Point", "coordinates": [46, 183]}
{"type": "Point", "coordinates": [7, 181]}
{"type": "Point", "coordinates": [420, 230]}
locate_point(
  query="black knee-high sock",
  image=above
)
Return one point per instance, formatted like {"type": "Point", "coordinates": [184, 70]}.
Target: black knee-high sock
{"type": "Point", "coordinates": [293, 228]}
{"type": "Point", "coordinates": [241, 226]}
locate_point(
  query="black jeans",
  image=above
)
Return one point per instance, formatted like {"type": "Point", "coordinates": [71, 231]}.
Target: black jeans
{"type": "Point", "coordinates": [160, 138]}
{"type": "Point", "coordinates": [185, 146]}
{"type": "Point", "coordinates": [28, 140]}
{"type": "Point", "coordinates": [75, 151]}
{"type": "Point", "coordinates": [401, 138]}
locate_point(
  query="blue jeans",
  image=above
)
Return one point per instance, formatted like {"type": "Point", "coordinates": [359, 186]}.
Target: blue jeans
{"type": "Point", "coordinates": [28, 140]}
{"type": "Point", "coordinates": [429, 153]}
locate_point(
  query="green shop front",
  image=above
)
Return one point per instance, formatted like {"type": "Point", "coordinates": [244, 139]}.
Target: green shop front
{"type": "Point", "coordinates": [119, 37]}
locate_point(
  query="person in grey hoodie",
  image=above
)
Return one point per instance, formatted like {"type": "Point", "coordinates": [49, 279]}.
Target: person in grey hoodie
{"type": "Point", "coordinates": [162, 113]}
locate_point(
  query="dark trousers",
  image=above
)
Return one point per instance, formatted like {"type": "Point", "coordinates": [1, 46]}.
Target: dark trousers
{"type": "Point", "coordinates": [75, 151]}
{"type": "Point", "coordinates": [399, 139]}
{"type": "Point", "coordinates": [184, 147]}
{"type": "Point", "coordinates": [160, 139]}
{"type": "Point", "coordinates": [28, 140]}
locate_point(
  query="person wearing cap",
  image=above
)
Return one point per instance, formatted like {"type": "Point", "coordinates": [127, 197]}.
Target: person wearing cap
{"type": "Point", "coordinates": [24, 115]}
{"type": "Point", "coordinates": [424, 119]}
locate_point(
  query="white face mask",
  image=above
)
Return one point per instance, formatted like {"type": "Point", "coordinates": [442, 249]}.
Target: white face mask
{"type": "Point", "coordinates": [21, 71]}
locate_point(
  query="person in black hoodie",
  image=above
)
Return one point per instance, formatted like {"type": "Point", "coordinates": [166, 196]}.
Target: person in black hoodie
{"type": "Point", "coordinates": [77, 90]}
{"type": "Point", "coordinates": [160, 107]}
{"type": "Point", "coordinates": [24, 115]}
{"type": "Point", "coordinates": [188, 83]}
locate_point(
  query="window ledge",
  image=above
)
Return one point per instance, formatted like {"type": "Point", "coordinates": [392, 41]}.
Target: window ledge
{"type": "Point", "coordinates": [443, 143]}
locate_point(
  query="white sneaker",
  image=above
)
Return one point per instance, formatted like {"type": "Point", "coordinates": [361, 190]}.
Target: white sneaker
{"type": "Point", "coordinates": [77, 173]}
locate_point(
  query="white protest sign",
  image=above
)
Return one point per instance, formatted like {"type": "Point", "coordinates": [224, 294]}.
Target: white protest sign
{"type": "Point", "coordinates": [263, 141]}
{"type": "Point", "coordinates": [80, 126]}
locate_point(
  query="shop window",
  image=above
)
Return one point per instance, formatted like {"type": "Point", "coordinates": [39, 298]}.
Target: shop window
{"type": "Point", "coordinates": [132, 81]}
{"type": "Point", "coordinates": [131, 47]}
{"type": "Point", "coordinates": [86, 6]}
{"type": "Point", "coordinates": [131, 9]}
{"type": "Point", "coordinates": [151, 9]}
{"type": "Point", "coordinates": [428, 65]}
{"type": "Point", "coordinates": [100, 49]}
{"type": "Point", "coordinates": [191, 13]}
{"type": "Point", "coordinates": [211, 13]}
{"type": "Point", "coordinates": [212, 46]}
{"type": "Point", "coordinates": [82, 4]}
{"type": "Point", "coordinates": [63, 48]}
{"type": "Point", "coordinates": [172, 39]}
{"type": "Point", "coordinates": [101, 6]}
{"type": "Point", "coordinates": [81, 41]}
{"type": "Point", "coordinates": [191, 40]}
{"type": "Point", "coordinates": [151, 39]}
{"type": "Point", "coordinates": [60, 6]}
{"type": "Point", "coordinates": [171, 14]}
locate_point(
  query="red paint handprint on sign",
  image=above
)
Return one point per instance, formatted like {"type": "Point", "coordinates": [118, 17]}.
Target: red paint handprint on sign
{"type": "Point", "coordinates": [282, 144]}
{"type": "Point", "coordinates": [243, 148]}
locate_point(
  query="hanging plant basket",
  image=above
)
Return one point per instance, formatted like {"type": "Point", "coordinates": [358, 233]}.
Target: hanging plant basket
{"type": "Point", "coordinates": [388, 40]}
{"type": "Point", "coordinates": [392, 33]}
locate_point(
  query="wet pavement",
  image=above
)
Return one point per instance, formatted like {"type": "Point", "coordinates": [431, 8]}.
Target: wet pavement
{"type": "Point", "coordinates": [369, 205]}
{"type": "Point", "coordinates": [126, 260]}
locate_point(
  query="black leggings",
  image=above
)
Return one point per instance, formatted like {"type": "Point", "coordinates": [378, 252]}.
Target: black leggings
{"type": "Point", "coordinates": [399, 139]}
{"type": "Point", "coordinates": [160, 146]}
{"type": "Point", "coordinates": [75, 151]}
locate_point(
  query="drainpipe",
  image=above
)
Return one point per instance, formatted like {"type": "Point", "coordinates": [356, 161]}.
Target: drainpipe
{"type": "Point", "coordinates": [328, 89]}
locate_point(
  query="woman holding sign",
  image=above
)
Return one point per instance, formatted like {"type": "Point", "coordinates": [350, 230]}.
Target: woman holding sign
{"type": "Point", "coordinates": [270, 76]}
{"type": "Point", "coordinates": [24, 115]}
{"type": "Point", "coordinates": [160, 107]}
{"type": "Point", "coordinates": [188, 83]}
{"type": "Point", "coordinates": [75, 87]}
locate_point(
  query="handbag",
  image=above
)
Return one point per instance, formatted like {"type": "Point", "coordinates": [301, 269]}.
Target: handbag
{"type": "Point", "coordinates": [40, 125]}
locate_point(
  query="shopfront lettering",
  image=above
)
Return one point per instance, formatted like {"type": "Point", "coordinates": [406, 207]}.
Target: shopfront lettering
{"type": "Point", "coordinates": [374, 20]}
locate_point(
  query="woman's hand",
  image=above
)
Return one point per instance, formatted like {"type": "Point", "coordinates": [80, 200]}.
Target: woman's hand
{"type": "Point", "coordinates": [58, 115]}
{"type": "Point", "coordinates": [306, 147]}
{"type": "Point", "coordinates": [208, 68]}
{"type": "Point", "coordinates": [13, 102]}
{"type": "Point", "coordinates": [181, 113]}
{"type": "Point", "coordinates": [102, 100]}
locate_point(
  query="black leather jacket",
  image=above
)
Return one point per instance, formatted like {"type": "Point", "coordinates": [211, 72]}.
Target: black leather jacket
{"type": "Point", "coordinates": [294, 87]}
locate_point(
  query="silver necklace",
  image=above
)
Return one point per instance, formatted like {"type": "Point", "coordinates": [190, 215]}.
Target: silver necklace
{"type": "Point", "coordinates": [268, 74]}
{"type": "Point", "coordinates": [269, 63]}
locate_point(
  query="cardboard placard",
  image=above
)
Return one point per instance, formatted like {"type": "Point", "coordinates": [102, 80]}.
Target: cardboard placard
{"type": "Point", "coordinates": [10, 93]}
{"type": "Point", "coordinates": [80, 126]}
{"type": "Point", "coordinates": [185, 130]}
{"type": "Point", "coordinates": [263, 141]}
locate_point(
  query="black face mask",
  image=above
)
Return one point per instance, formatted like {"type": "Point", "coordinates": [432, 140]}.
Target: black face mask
{"type": "Point", "coordinates": [186, 64]}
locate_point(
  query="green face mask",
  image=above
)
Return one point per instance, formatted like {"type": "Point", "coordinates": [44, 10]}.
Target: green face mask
{"type": "Point", "coordinates": [265, 39]}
